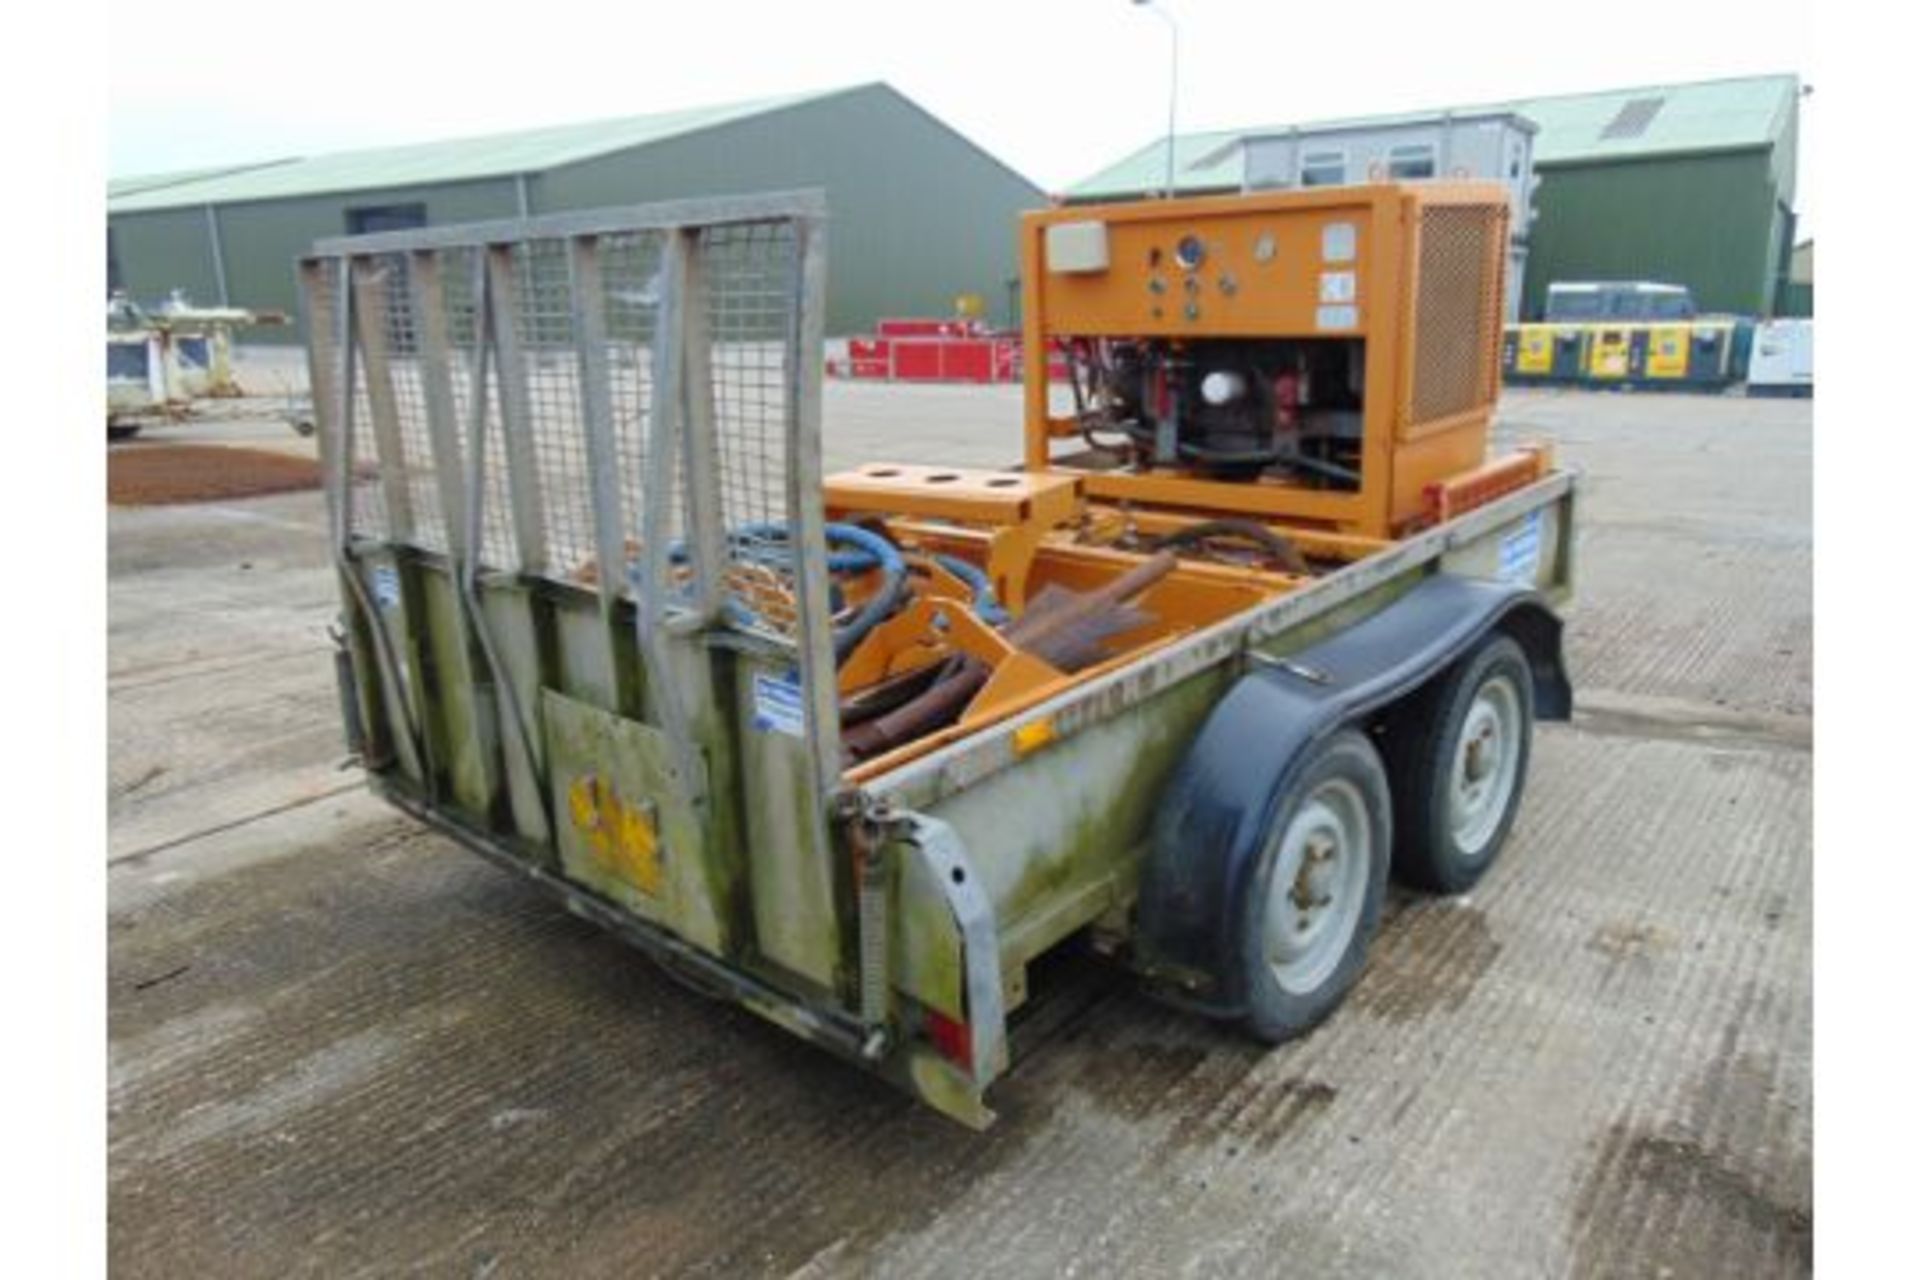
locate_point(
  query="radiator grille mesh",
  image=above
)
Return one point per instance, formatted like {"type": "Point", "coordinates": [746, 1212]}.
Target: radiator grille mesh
{"type": "Point", "coordinates": [1457, 309]}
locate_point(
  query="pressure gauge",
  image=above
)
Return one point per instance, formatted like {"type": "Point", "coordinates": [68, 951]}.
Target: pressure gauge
{"type": "Point", "coordinates": [1189, 253]}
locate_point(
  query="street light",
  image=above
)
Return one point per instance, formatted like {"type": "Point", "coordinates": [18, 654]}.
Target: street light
{"type": "Point", "coordinates": [1173, 77]}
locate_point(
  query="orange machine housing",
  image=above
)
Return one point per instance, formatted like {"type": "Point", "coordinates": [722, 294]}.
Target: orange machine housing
{"type": "Point", "coordinates": [1414, 274]}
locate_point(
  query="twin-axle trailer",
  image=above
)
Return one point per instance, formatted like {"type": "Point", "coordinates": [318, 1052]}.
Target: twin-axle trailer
{"type": "Point", "coordinates": [1255, 622]}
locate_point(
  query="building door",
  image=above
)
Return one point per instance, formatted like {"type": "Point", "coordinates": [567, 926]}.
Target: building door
{"type": "Point", "coordinates": [385, 217]}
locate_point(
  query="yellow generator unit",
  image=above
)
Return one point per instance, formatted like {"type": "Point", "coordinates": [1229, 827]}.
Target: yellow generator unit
{"type": "Point", "coordinates": [1668, 349]}
{"type": "Point", "coordinates": [1544, 352]}
{"type": "Point", "coordinates": [1532, 351]}
{"type": "Point", "coordinates": [1326, 358]}
{"type": "Point", "coordinates": [1692, 354]}
{"type": "Point", "coordinates": [1610, 354]}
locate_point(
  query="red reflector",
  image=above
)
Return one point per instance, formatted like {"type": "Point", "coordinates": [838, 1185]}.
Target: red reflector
{"type": "Point", "coordinates": [951, 1038]}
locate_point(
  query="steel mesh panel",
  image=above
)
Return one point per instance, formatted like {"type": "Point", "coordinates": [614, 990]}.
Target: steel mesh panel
{"type": "Point", "coordinates": [750, 271]}
{"type": "Point", "coordinates": [555, 421]}
{"type": "Point", "coordinates": [631, 293]}
{"type": "Point", "coordinates": [464, 323]}
{"type": "Point", "coordinates": [364, 507]}
{"type": "Point", "coordinates": [367, 501]}
{"type": "Point", "coordinates": [404, 377]}
{"type": "Point", "coordinates": [1457, 304]}
{"type": "Point", "coordinates": [735, 387]}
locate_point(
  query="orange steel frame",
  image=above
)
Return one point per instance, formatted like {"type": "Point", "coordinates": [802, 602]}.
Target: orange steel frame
{"type": "Point", "coordinates": [1018, 511]}
{"type": "Point", "coordinates": [1403, 463]}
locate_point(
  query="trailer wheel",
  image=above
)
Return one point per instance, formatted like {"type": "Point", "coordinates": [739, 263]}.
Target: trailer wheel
{"type": "Point", "coordinates": [122, 430]}
{"type": "Point", "coordinates": [1317, 891]}
{"type": "Point", "coordinates": [1461, 768]}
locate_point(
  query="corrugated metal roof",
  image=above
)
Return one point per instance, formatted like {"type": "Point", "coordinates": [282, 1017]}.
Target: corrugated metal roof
{"type": "Point", "coordinates": [1709, 115]}
{"type": "Point", "coordinates": [425, 163]}
{"type": "Point", "coordinates": [1713, 115]}
{"type": "Point", "coordinates": [139, 182]}
{"type": "Point", "coordinates": [1202, 162]}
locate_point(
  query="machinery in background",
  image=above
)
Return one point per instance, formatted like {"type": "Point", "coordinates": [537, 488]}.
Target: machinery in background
{"type": "Point", "coordinates": [1702, 354]}
{"type": "Point", "coordinates": [1626, 333]}
{"type": "Point", "coordinates": [960, 348]}
{"type": "Point", "coordinates": [1624, 301]}
{"type": "Point", "coordinates": [930, 349]}
{"type": "Point", "coordinates": [1782, 362]}
{"type": "Point", "coordinates": [160, 363]}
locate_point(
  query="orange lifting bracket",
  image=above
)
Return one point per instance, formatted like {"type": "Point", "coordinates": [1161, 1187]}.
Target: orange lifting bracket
{"type": "Point", "coordinates": [1015, 510]}
{"type": "Point", "coordinates": [954, 493]}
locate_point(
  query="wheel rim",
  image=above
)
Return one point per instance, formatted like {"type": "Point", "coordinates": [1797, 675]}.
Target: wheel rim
{"type": "Point", "coordinates": [1318, 886]}
{"type": "Point", "coordinates": [1486, 765]}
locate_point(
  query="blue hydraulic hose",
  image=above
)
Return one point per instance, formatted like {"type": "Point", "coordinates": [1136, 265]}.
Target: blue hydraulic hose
{"type": "Point", "coordinates": [863, 551]}
{"type": "Point", "coordinates": [984, 602]}
{"type": "Point", "coordinates": [870, 549]}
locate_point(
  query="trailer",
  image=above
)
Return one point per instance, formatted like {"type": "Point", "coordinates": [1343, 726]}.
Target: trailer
{"type": "Point", "coordinates": [1255, 622]}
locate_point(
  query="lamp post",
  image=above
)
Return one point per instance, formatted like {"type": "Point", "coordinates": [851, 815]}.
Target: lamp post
{"type": "Point", "coordinates": [1173, 77]}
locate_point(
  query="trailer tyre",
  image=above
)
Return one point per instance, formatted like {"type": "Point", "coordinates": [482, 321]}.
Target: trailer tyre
{"type": "Point", "coordinates": [1317, 890]}
{"type": "Point", "coordinates": [1462, 768]}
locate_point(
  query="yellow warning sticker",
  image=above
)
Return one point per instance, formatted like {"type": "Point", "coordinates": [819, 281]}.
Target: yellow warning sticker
{"type": "Point", "coordinates": [622, 834]}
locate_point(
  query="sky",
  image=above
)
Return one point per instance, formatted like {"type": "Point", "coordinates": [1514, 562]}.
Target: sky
{"type": "Point", "coordinates": [1055, 88]}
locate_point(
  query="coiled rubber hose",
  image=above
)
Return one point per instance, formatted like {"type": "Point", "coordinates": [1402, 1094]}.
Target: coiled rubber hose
{"type": "Point", "coordinates": [985, 603]}
{"type": "Point", "coordinates": [870, 550]}
{"type": "Point", "coordinates": [861, 551]}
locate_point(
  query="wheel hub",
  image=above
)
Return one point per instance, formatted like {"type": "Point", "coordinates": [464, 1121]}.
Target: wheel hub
{"type": "Point", "coordinates": [1319, 883]}
{"type": "Point", "coordinates": [1485, 768]}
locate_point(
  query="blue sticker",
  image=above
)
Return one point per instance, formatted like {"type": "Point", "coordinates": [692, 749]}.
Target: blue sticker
{"type": "Point", "coordinates": [1520, 550]}
{"type": "Point", "coordinates": [386, 586]}
{"type": "Point", "coordinates": [778, 706]}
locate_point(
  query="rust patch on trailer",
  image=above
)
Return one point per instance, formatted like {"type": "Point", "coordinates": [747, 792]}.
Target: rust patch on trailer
{"type": "Point", "coordinates": [168, 474]}
{"type": "Point", "coordinates": [1428, 957]}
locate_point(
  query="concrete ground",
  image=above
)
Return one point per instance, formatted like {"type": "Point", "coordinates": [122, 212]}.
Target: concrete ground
{"type": "Point", "coordinates": [341, 1045]}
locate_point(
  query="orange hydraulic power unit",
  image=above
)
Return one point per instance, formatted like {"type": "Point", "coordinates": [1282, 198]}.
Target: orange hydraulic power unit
{"type": "Point", "coordinates": [1320, 359]}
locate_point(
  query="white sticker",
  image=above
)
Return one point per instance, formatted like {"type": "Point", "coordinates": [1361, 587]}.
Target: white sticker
{"type": "Point", "coordinates": [1337, 242]}
{"type": "Point", "coordinates": [1520, 551]}
{"type": "Point", "coordinates": [386, 586]}
{"type": "Point", "coordinates": [778, 706]}
{"type": "Point", "coordinates": [1337, 286]}
{"type": "Point", "coordinates": [1336, 318]}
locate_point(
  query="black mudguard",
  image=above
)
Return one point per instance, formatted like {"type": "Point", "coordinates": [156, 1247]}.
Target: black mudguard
{"type": "Point", "coordinates": [1220, 805]}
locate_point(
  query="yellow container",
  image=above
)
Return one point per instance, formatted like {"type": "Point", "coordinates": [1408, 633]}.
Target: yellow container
{"type": "Point", "coordinates": [1609, 355]}
{"type": "Point", "coordinates": [1668, 346]}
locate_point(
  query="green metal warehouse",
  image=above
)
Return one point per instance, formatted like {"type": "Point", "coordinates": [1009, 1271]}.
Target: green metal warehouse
{"type": "Point", "coordinates": [1690, 184]}
{"type": "Point", "coordinates": [917, 214]}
